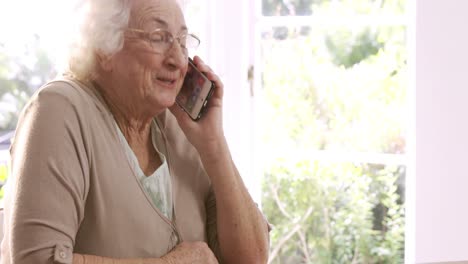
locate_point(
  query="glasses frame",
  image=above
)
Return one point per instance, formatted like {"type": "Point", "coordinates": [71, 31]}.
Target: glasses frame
{"type": "Point", "coordinates": [147, 36]}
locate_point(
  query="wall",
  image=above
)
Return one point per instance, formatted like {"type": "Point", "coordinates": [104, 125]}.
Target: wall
{"type": "Point", "coordinates": [441, 217]}
{"type": "Point", "coordinates": [226, 37]}
{"type": "Point", "coordinates": [229, 54]}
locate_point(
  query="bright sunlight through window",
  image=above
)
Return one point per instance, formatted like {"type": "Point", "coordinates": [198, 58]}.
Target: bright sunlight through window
{"type": "Point", "coordinates": [334, 77]}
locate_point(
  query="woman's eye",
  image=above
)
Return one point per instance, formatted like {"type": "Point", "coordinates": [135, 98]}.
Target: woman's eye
{"type": "Point", "coordinates": [157, 38]}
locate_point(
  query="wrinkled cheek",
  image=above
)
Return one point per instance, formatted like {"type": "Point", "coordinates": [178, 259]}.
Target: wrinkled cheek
{"type": "Point", "coordinates": [147, 81]}
{"type": "Point", "coordinates": [179, 85]}
{"type": "Point", "coordinates": [181, 81]}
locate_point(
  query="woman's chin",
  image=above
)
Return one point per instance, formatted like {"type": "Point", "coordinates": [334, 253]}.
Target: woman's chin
{"type": "Point", "coordinates": [163, 103]}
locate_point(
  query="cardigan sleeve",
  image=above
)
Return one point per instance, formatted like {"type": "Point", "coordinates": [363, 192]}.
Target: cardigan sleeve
{"type": "Point", "coordinates": [48, 184]}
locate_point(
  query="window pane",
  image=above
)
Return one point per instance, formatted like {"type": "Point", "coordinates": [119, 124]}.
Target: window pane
{"type": "Point", "coordinates": [308, 7]}
{"type": "Point", "coordinates": [335, 212]}
{"type": "Point", "coordinates": [334, 88]}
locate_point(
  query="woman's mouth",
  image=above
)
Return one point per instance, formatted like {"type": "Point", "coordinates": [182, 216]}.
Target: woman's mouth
{"type": "Point", "coordinates": [167, 82]}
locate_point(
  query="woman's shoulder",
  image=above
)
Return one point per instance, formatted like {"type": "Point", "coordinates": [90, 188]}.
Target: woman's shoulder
{"type": "Point", "coordinates": [58, 110]}
{"type": "Point", "coordinates": [65, 89]}
{"type": "Point", "coordinates": [69, 93]}
{"type": "Point", "coordinates": [62, 101]}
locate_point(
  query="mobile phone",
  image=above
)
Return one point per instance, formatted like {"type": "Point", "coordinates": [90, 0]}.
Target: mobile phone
{"type": "Point", "coordinates": [195, 92]}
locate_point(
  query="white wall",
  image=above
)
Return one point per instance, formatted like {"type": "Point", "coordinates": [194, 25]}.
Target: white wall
{"type": "Point", "coordinates": [441, 216]}
{"type": "Point", "coordinates": [225, 28]}
{"type": "Point", "coordinates": [229, 54]}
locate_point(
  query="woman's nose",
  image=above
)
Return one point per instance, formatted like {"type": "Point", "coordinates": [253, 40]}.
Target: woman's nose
{"type": "Point", "coordinates": [176, 55]}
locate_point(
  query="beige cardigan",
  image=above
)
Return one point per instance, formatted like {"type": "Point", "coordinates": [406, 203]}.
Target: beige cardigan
{"type": "Point", "coordinates": [73, 190]}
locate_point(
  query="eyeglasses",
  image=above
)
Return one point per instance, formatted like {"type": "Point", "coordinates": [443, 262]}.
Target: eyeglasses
{"type": "Point", "coordinates": [162, 40]}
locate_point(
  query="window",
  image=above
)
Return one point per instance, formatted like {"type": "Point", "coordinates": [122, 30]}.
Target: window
{"type": "Point", "coordinates": [334, 84]}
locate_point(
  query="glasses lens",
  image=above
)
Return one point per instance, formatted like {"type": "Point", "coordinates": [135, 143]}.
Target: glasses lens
{"type": "Point", "coordinates": [191, 41]}
{"type": "Point", "coordinates": [160, 40]}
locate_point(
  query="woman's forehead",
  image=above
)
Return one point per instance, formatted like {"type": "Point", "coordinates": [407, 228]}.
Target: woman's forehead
{"type": "Point", "coordinates": [157, 13]}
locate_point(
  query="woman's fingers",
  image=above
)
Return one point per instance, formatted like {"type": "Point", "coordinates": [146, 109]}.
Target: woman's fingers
{"type": "Point", "coordinates": [201, 64]}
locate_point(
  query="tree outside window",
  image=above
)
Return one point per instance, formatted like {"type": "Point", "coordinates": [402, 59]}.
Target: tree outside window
{"type": "Point", "coordinates": [334, 76]}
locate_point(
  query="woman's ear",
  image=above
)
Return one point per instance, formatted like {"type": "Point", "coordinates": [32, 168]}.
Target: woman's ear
{"type": "Point", "coordinates": [104, 61]}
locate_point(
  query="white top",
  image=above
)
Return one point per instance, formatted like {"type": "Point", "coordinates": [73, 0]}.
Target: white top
{"type": "Point", "coordinates": [157, 185]}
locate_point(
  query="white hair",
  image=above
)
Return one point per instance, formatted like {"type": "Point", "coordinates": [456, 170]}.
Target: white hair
{"type": "Point", "coordinates": [99, 29]}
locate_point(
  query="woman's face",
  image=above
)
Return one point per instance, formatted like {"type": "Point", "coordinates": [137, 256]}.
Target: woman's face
{"type": "Point", "coordinates": [142, 76]}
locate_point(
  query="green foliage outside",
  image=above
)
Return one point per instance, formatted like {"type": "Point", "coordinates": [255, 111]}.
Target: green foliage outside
{"type": "Point", "coordinates": [343, 89]}
{"type": "Point", "coordinates": [325, 212]}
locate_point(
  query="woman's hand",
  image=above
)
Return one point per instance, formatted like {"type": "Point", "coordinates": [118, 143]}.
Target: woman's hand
{"type": "Point", "coordinates": [191, 252]}
{"type": "Point", "coordinates": [206, 134]}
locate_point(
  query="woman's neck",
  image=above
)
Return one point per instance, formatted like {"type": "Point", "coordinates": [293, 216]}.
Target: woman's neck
{"type": "Point", "coordinates": [132, 120]}
{"type": "Point", "coordinates": [135, 127]}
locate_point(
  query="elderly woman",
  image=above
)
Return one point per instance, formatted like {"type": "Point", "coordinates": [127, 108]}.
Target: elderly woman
{"type": "Point", "coordinates": [106, 169]}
